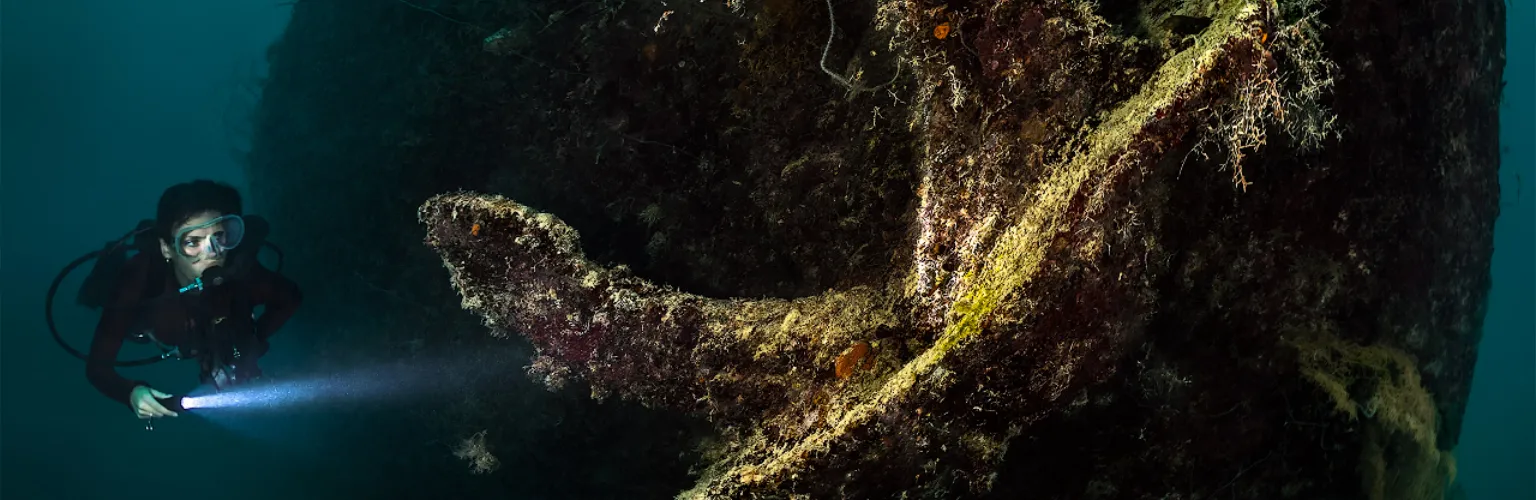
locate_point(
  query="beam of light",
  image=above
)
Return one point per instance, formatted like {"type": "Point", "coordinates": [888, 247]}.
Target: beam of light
{"type": "Point", "coordinates": [314, 412]}
{"type": "Point", "coordinates": [269, 396]}
{"type": "Point", "coordinates": [397, 381]}
{"type": "Point", "coordinates": [274, 395]}
{"type": "Point", "coordinates": [281, 393]}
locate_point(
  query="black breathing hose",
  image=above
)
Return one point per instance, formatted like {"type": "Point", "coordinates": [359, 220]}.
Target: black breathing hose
{"type": "Point", "coordinates": [48, 305]}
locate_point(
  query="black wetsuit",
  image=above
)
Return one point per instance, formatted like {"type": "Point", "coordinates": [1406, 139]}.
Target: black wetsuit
{"type": "Point", "coordinates": [208, 325]}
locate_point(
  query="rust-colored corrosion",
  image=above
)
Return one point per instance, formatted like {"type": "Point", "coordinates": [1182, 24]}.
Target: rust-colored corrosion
{"type": "Point", "coordinates": [853, 358]}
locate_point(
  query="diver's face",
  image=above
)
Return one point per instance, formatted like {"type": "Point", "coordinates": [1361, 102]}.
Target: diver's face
{"type": "Point", "coordinates": [193, 251]}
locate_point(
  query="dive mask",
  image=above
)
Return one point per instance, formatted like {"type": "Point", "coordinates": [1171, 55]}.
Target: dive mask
{"type": "Point", "coordinates": [214, 237]}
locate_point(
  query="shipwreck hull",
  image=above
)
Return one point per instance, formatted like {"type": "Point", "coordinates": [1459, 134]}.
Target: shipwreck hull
{"type": "Point", "coordinates": [1044, 249]}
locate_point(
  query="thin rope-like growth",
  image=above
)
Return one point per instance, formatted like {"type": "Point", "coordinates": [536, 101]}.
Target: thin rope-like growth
{"type": "Point", "coordinates": [438, 14]}
{"type": "Point", "coordinates": [852, 86]}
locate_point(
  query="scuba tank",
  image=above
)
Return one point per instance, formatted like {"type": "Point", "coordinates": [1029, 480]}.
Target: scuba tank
{"type": "Point", "coordinates": [98, 285]}
{"type": "Point", "coordinates": [97, 289]}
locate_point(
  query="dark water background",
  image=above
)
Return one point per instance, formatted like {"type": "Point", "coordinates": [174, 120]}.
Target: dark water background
{"type": "Point", "coordinates": [107, 103]}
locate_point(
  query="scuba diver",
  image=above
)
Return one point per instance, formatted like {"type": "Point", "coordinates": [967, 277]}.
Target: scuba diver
{"type": "Point", "coordinates": [193, 294]}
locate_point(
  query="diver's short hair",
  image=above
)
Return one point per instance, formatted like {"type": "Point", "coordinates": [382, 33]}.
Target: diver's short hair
{"type": "Point", "coordinates": [179, 203]}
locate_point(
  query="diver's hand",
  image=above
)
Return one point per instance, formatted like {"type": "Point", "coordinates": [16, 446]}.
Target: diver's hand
{"type": "Point", "coordinates": [145, 403]}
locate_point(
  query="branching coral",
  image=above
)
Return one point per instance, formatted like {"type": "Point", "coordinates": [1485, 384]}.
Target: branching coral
{"type": "Point", "coordinates": [1288, 85]}
{"type": "Point", "coordinates": [474, 450]}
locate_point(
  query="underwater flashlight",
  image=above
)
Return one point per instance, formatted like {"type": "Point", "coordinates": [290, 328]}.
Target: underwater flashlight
{"type": "Point", "coordinates": [176, 404]}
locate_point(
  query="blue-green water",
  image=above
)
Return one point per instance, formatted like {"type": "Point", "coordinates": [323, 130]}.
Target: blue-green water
{"type": "Point", "coordinates": [1497, 454]}
{"type": "Point", "coordinates": [105, 104]}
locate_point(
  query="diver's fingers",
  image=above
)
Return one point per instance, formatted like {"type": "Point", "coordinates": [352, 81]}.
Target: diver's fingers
{"type": "Point", "coordinates": [156, 409]}
{"type": "Point", "coordinates": [160, 395]}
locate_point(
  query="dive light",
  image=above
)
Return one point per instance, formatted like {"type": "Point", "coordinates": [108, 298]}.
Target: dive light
{"type": "Point", "coordinates": [174, 403]}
